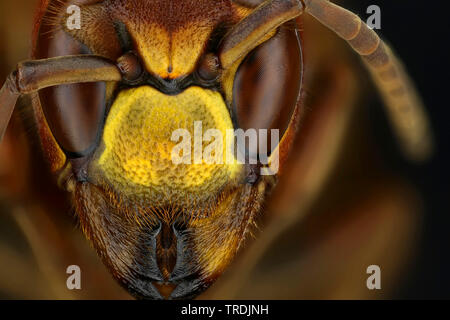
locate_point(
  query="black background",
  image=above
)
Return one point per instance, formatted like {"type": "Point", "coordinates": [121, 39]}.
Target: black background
{"type": "Point", "coordinates": [419, 33]}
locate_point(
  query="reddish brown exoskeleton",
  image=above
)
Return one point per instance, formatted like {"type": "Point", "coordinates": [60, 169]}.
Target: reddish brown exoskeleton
{"type": "Point", "coordinates": [240, 57]}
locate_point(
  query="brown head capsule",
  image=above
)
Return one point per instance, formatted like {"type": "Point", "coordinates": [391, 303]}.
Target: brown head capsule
{"type": "Point", "coordinates": [168, 229]}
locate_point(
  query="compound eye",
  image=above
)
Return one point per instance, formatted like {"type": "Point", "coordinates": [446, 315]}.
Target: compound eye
{"type": "Point", "coordinates": [209, 67]}
{"type": "Point", "coordinates": [267, 84]}
{"type": "Point", "coordinates": [74, 112]}
{"type": "Point", "coordinates": [130, 67]}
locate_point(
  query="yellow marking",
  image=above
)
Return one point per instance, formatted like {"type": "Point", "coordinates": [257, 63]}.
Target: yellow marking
{"type": "Point", "coordinates": [187, 45]}
{"type": "Point", "coordinates": [137, 159]}
{"type": "Point", "coordinates": [213, 251]}
{"type": "Point", "coordinates": [216, 252]}
{"type": "Point", "coordinates": [178, 51]}
{"type": "Point", "coordinates": [153, 44]}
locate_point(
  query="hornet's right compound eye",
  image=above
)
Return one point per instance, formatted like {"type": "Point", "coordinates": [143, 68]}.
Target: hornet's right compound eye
{"type": "Point", "coordinates": [74, 112]}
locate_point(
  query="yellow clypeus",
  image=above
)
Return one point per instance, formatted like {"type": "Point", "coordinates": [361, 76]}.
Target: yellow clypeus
{"type": "Point", "coordinates": [137, 155]}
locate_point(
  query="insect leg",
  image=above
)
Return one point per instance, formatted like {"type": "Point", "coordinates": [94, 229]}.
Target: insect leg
{"type": "Point", "coordinates": [404, 107]}
{"type": "Point", "coordinates": [32, 76]}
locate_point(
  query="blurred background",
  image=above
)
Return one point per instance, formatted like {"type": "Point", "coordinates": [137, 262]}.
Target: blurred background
{"type": "Point", "coordinates": [349, 199]}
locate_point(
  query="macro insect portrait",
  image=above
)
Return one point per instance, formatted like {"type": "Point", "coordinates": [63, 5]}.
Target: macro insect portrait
{"type": "Point", "coordinates": [174, 149]}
